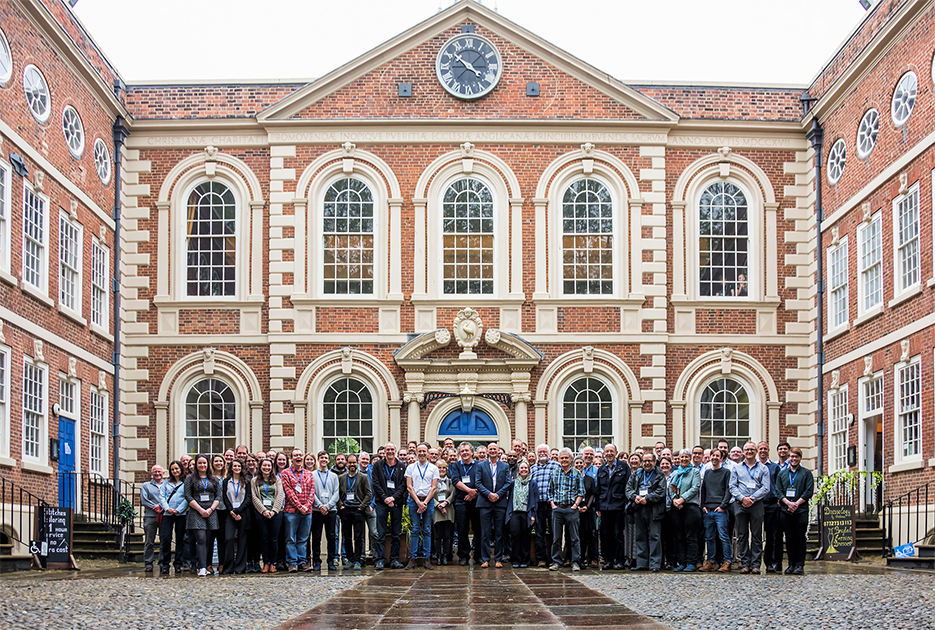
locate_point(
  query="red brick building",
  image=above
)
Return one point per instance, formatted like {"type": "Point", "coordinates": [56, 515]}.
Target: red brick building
{"type": "Point", "coordinates": [466, 232]}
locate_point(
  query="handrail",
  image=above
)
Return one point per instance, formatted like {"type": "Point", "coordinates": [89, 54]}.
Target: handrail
{"type": "Point", "coordinates": [20, 506]}
{"type": "Point", "coordinates": [909, 517]}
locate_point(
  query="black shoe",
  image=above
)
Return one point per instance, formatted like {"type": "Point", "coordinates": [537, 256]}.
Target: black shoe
{"type": "Point", "coordinates": [164, 571]}
{"type": "Point", "coordinates": [148, 568]}
{"type": "Point", "coordinates": [790, 570]}
{"type": "Point", "coordinates": [463, 562]}
{"type": "Point", "coordinates": [396, 564]}
{"type": "Point", "coordinates": [607, 566]}
{"type": "Point", "coordinates": [619, 567]}
{"type": "Point", "coordinates": [799, 570]}
{"type": "Point", "coordinates": [654, 569]}
{"type": "Point", "coordinates": [379, 565]}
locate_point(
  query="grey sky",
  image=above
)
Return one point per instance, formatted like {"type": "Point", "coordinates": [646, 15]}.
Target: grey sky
{"type": "Point", "coordinates": [721, 41]}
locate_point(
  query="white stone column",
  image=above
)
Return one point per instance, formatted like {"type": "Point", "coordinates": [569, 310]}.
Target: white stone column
{"type": "Point", "coordinates": [521, 417]}
{"type": "Point", "coordinates": [256, 430]}
{"type": "Point", "coordinates": [419, 288]}
{"type": "Point", "coordinates": [162, 430]}
{"type": "Point", "coordinates": [395, 407]}
{"type": "Point", "coordinates": [541, 406]}
{"type": "Point", "coordinates": [516, 249]}
{"type": "Point", "coordinates": [542, 247]}
{"type": "Point", "coordinates": [413, 420]}
{"type": "Point", "coordinates": [396, 239]}
{"type": "Point", "coordinates": [636, 246]}
{"type": "Point", "coordinates": [772, 257]}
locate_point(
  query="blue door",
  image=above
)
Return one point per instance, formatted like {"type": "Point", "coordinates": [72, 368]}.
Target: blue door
{"type": "Point", "coordinates": [66, 462]}
{"type": "Point", "coordinates": [474, 426]}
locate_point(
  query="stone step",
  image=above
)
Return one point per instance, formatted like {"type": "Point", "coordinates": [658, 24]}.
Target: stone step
{"type": "Point", "coordinates": [912, 562]}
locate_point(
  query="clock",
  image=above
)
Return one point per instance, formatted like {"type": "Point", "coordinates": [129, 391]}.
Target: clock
{"type": "Point", "coordinates": [468, 66]}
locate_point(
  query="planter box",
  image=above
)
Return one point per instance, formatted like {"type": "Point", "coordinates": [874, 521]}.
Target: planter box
{"type": "Point", "coordinates": [404, 542]}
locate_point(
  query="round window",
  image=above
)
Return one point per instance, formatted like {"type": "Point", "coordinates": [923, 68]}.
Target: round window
{"type": "Point", "coordinates": [836, 160]}
{"type": "Point", "coordinates": [37, 93]}
{"type": "Point", "coordinates": [102, 161]}
{"type": "Point", "coordinates": [904, 98]}
{"type": "Point", "coordinates": [73, 130]}
{"type": "Point", "coordinates": [867, 133]}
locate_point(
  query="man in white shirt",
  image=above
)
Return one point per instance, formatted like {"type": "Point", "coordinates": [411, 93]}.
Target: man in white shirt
{"type": "Point", "coordinates": [422, 484]}
{"type": "Point", "coordinates": [324, 512]}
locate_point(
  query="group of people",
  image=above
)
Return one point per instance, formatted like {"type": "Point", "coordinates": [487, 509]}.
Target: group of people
{"type": "Point", "coordinates": [695, 510]}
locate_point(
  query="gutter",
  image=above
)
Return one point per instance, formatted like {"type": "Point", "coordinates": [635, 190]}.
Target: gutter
{"type": "Point", "coordinates": [120, 133]}
{"type": "Point", "coordinates": [816, 135]}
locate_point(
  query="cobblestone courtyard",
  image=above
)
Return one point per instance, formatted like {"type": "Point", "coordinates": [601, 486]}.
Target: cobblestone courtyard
{"type": "Point", "coordinates": [835, 596]}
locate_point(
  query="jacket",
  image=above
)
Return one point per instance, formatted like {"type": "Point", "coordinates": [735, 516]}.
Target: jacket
{"type": "Point", "coordinates": [173, 496]}
{"type": "Point", "coordinates": [531, 503]}
{"type": "Point", "coordinates": [457, 471]}
{"type": "Point", "coordinates": [259, 490]}
{"type": "Point", "coordinates": [689, 485]}
{"type": "Point", "coordinates": [445, 494]}
{"type": "Point", "coordinates": [397, 474]}
{"type": "Point", "coordinates": [655, 495]}
{"type": "Point", "coordinates": [485, 486]}
{"type": "Point", "coordinates": [362, 492]}
{"type": "Point", "coordinates": [246, 507]}
{"type": "Point", "coordinates": [612, 487]}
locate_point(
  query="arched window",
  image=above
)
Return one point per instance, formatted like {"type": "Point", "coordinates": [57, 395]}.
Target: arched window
{"type": "Point", "coordinates": [587, 415]}
{"type": "Point", "coordinates": [211, 241]}
{"type": "Point", "coordinates": [723, 241]}
{"type": "Point", "coordinates": [347, 235]}
{"type": "Point", "coordinates": [210, 417]}
{"type": "Point", "coordinates": [587, 239]}
{"type": "Point", "coordinates": [724, 413]}
{"type": "Point", "coordinates": [347, 413]}
{"type": "Point", "coordinates": [467, 238]}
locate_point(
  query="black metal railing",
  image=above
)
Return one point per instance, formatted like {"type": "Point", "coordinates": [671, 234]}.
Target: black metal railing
{"type": "Point", "coordinates": [95, 498]}
{"type": "Point", "coordinates": [18, 509]}
{"type": "Point", "coordinates": [861, 489]}
{"type": "Point", "coordinates": [909, 517]}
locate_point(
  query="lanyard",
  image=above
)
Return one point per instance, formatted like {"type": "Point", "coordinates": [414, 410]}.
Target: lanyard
{"type": "Point", "coordinates": [388, 475]}
{"type": "Point", "coordinates": [792, 477]}
{"type": "Point", "coordinates": [350, 486]}
{"type": "Point", "coordinates": [467, 471]}
{"type": "Point", "coordinates": [204, 484]}
{"type": "Point", "coordinates": [647, 480]}
{"type": "Point", "coordinates": [323, 483]}
{"type": "Point", "coordinates": [236, 488]}
{"type": "Point", "coordinates": [749, 472]}
{"type": "Point", "coordinates": [265, 489]}
{"type": "Point", "coordinates": [301, 477]}
{"type": "Point", "coordinates": [422, 471]}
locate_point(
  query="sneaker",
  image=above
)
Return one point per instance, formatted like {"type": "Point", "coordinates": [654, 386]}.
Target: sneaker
{"type": "Point", "coordinates": [164, 571]}
{"type": "Point", "coordinates": [691, 568]}
{"type": "Point", "coordinates": [356, 566]}
{"type": "Point", "coordinates": [555, 567]}
{"type": "Point", "coordinates": [303, 567]}
{"type": "Point", "coordinates": [293, 568]}
{"type": "Point", "coordinates": [516, 565]}
{"type": "Point", "coordinates": [331, 567]}
{"type": "Point", "coordinates": [799, 570]}
{"type": "Point", "coordinates": [316, 566]}
{"type": "Point", "coordinates": [396, 564]}
{"type": "Point", "coordinates": [379, 565]}
{"type": "Point", "coordinates": [348, 565]}
{"type": "Point", "coordinates": [523, 566]}
{"type": "Point", "coordinates": [575, 567]}
{"type": "Point", "coordinates": [679, 568]}
{"type": "Point", "coordinates": [790, 570]}
{"type": "Point", "coordinates": [202, 572]}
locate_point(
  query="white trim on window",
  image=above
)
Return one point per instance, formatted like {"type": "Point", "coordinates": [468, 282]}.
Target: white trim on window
{"type": "Point", "coordinates": [36, 91]}
{"type": "Point", "coordinates": [6, 60]}
{"type": "Point", "coordinates": [97, 431]}
{"type": "Point", "coordinates": [5, 402]}
{"type": "Point", "coordinates": [6, 217]}
{"type": "Point", "coordinates": [70, 263]}
{"type": "Point", "coordinates": [907, 264]}
{"type": "Point", "coordinates": [837, 160]}
{"type": "Point", "coordinates": [838, 287]}
{"type": "Point", "coordinates": [840, 435]}
{"type": "Point", "coordinates": [100, 295]}
{"type": "Point", "coordinates": [907, 409]}
{"type": "Point", "coordinates": [870, 280]}
{"type": "Point", "coordinates": [73, 130]}
{"type": "Point", "coordinates": [35, 438]}
{"type": "Point", "coordinates": [35, 239]}
{"type": "Point", "coordinates": [871, 397]}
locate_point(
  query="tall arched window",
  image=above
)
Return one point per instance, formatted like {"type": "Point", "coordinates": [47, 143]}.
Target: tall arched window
{"type": "Point", "coordinates": [467, 238]}
{"type": "Point", "coordinates": [587, 415]}
{"type": "Point", "coordinates": [211, 241]}
{"type": "Point", "coordinates": [724, 413]}
{"type": "Point", "coordinates": [347, 413]}
{"type": "Point", "coordinates": [587, 239]}
{"type": "Point", "coordinates": [347, 235]}
{"type": "Point", "coordinates": [723, 242]}
{"type": "Point", "coordinates": [210, 417]}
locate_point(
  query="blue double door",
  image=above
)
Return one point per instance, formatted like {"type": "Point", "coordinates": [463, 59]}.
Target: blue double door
{"type": "Point", "coordinates": [474, 426]}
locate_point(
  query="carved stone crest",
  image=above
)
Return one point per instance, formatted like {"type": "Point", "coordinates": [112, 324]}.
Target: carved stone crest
{"type": "Point", "coordinates": [38, 183]}
{"type": "Point", "coordinates": [587, 148]}
{"type": "Point", "coordinates": [724, 152]}
{"type": "Point", "coordinates": [727, 357]}
{"type": "Point", "coordinates": [347, 360]}
{"type": "Point", "coordinates": [349, 148]}
{"type": "Point", "coordinates": [37, 350]}
{"type": "Point", "coordinates": [467, 150]}
{"type": "Point", "coordinates": [904, 345]}
{"type": "Point", "coordinates": [211, 153]}
{"type": "Point", "coordinates": [102, 380]}
{"type": "Point", "coordinates": [867, 213]}
{"type": "Point", "coordinates": [868, 365]}
{"type": "Point", "coordinates": [587, 359]}
{"type": "Point", "coordinates": [208, 360]}
{"type": "Point", "coordinates": [72, 367]}
{"type": "Point", "coordinates": [468, 329]}
{"type": "Point", "coordinates": [836, 379]}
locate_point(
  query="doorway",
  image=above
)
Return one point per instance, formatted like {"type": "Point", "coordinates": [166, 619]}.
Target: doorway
{"type": "Point", "coordinates": [474, 426]}
{"type": "Point", "coordinates": [66, 462]}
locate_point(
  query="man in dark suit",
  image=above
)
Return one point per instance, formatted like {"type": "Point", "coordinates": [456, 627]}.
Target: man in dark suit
{"type": "Point", "coordinates": [493, 481]}
{"type": "Point", "coordinates": [610, 506]}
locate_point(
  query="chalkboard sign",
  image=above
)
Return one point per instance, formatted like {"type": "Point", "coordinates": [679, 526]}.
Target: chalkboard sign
{"type": "Point", "coordinates": [837, 533]}
{"type": "Point", "coordinates": [54, 534]}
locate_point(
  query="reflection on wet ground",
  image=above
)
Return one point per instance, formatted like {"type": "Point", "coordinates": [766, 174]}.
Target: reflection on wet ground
{"type": "Point", "coordinates": [457, 599]}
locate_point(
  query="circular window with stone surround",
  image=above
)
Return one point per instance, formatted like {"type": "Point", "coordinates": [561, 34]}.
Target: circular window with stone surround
{"type": "Point", "coordinates": [837, 157]}
{"type": "Point", "coordinates": [73, 130]}
{"type": "Point", "coordinates": [867, 133]}
{"type": "Point", "coordinates": [37, 93]}
{"type": "Point", "coordinates": [904, 98]}
{"type": "Point", "coordinates": [102, 161]}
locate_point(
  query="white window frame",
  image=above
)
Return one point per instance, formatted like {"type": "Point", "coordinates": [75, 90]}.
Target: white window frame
{"type": "Point", "coordinates": [43, 287]}
{"type": "Point", "coordinates": [617, 216]}
{"type": "Point", "coordinates": [864, 383]}
{"type": "Point", "coordinates": [5, 44]}
{"type": "Point", "coordinates": [839, 436]}
{"type": "Point", "coordinates": [833, 290]}
{"type": "Point", "coordinates": [862, 310]}
{"type": "Point", "coordinates": [77, 130]}
{"type": "Point", "coordinates": [68, 221]}
{"type": "Point", "coordinates": [6, 218]}
{"type": "Point", "coordinates": [614, 403]}
{"type": "Point", "coordinates": [93, 435]}
{"type": "Point", "coordinates": [43, 413]}
{"type": "Point", "coordinates": [100, 320]}
{"type": "Point", "coordinates": [898, 412]}
{"type": "Point", "coordinates": [901, 292]}
{"type": "Point", "coordinates": [5, 403]}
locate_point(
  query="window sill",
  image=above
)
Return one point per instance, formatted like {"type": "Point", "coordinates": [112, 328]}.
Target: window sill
{"type": "Point", "coordinates": [36, 293]}
{"type": "Point", "coordinates": [203, 303]}
{"type": "Point", "coordinates": [837, 332]}
{"type": "Point", "coordinates": [67, 312]}
{"type": "Point", "coordinates": [8, 462]}
{"type": "Point", "coordinates": [930, 283]}
{"type": "Point", "coordinates": [725, 303]}
{"type": "Point", "coordinates": [932, 463]}
{"type": "Point", "coordinates": [907, 294]}
{"type": "Point", "coordinates": [589, 301]}
{"type": "Point", "coordinates": [907, 466]}
{"type": "Point", "coordinates": [100, 332]}
{"type": "Point", "coordinates": [876, 311]}
{"type": "Point", "coordinates": [470, 300]}
{"type": "Point", "coordinates": [8, 278]}
{"type": "Point", "coordinates": [302, 300]}
{"type": "Point", "coordinates": [36, 468]}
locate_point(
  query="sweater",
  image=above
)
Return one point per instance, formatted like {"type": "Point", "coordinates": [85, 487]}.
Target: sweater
{"type": "Point", "coordinates": [262, 491]}
{"type": "Point", "coordinates": [715, 491]}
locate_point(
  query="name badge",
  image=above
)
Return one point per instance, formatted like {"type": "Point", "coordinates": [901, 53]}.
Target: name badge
{"type": "Point", "coordinates": [790, 493]}
{"type": "Point", "coordinates": [643, 492]}
{"type": "Point", "coordinates": [205, 497]}
{"type": "Point", "coordinates": [298, 489]}
{"type": "Point", "coordinates": [267, 503]}
{"type": "Point", "coordinates": [390, 485]}
{"type": "Point", "coordinates": [465, 479]}
{"type": "Point", "coordinates": [351, 498]}
{"type": "Point", "coordinates": [751, 485]}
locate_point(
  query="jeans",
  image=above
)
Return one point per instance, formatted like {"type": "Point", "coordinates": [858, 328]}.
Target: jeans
{"type": "Point", "coordinates": [421, 528]}
{"type": "Point", "coordinates": [297, 529]}
{"type": "Point", "coordinates": [492, 520]}
{"type": "Point", "coordinates": [269, 536]}
{"type": "Point", "coordinates": [715, 527]}
{"type": "Point", "coordinates": [749, 533]}
{"type": "Point", "coordinates": [355, 524]}
{"type": "Point", "coordinates": [150, 527]}
{"type": "Point", "coordinates": [543, 530]}
{"type": "Point", "coordinates": [170, 523]}
{"type": "Point", "coordinates": [383, 513]}
{"type": "Point", "coordinates": [565, 517]}
{"type": "Point", "coordinates": [466, 515]}
{"type": "Point", "coordinates": [371, 517]}
{"type": "Point", "coordinates": [329, 522]}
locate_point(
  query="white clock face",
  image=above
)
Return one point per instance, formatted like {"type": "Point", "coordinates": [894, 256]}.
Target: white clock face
{"type": "Point", "coordinates": [468, 66]}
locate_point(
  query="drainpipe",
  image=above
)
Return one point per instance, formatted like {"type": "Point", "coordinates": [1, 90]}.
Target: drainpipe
{"type": "Point", "coordinates": [816, 136]}
{"type": "Point", "coordinates": [120, 135]}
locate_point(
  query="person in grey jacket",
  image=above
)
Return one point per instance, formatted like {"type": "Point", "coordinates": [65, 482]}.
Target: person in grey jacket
{"type": "Point", "coordinates": [174, 507]}
{"type": "Point", "coordinates": [646, 490]}
{"type": "Point", "coordinates": [151, 500]}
